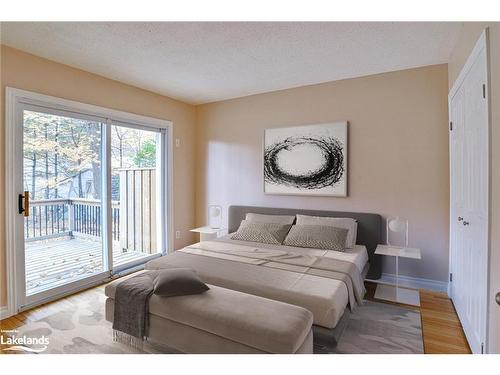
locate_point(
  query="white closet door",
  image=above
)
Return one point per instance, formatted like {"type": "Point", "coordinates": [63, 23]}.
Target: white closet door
{"type": "Point", "coordinates": [457, 201]}
{"type": "Point", "coordinates": [469, 163]}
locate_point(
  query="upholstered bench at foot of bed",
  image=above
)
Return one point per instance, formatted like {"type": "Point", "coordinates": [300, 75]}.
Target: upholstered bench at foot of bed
{"type": "Point", "coordinates": [225, 321]}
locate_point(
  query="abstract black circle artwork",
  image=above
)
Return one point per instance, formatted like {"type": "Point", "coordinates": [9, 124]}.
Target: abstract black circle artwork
{"type": "Point", "coordinates": [307, 159]}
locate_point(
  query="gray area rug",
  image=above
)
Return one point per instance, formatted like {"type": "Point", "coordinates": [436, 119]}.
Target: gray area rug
{"type": "Point", "coordinates": [78, 326]}
{"type": "Point", "coordinates": [379, 328]}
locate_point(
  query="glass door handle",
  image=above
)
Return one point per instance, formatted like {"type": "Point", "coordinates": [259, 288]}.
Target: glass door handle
{"type": "Point", "coordinates": [497, 298]}
{"type": "Point", "coordinates": [23, 203]}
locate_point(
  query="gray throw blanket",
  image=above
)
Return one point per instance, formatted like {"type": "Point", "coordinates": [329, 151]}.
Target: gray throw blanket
{"type": "Point", "coordinates": [131, 315]}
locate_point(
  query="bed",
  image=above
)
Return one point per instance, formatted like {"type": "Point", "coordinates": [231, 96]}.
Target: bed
{"type": "Point", "coordinates": [312, 278]}
{"type": "Point", "coordinates": [369, 228]}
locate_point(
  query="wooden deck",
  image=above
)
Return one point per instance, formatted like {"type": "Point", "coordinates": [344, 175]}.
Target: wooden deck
{"type": "Point", "coordinates": [56, 262]}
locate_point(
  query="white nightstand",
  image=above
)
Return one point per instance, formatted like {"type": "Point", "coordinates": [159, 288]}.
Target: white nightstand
{"type": "Point", "coordinates": [208, 233]}
{"type": "Point", "coordinates": [394, 292]}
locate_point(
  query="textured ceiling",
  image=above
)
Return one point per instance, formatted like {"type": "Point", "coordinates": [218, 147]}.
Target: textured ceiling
{"type": "Point", "coordinates": [199, 62]}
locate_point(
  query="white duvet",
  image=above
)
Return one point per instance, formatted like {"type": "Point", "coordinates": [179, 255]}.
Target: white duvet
{"type": "Point", "coordinates": [358, 255]}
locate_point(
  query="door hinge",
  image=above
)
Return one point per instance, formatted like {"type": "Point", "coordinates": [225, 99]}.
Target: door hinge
{"type": "Point", "coordinates": [484, 91]}
{"type": "Point", "coordinates": [482, 348]}
{"type": "Point", "coordinates": [451, 126]}
{"type": "Point", "coordinates": [451, 277]}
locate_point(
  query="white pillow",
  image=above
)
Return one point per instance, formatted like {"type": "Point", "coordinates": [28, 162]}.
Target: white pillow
{"type": "Point", "coordinates": [277, 219]}
{"type": "Point", "coordinates": [340, 222]}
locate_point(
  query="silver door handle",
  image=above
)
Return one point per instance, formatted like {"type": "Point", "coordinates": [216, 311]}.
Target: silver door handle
{"type": "Point", "coordinates": [460, 218]}
{"type": "Point", "coordinates": [466, 222]}
{"type": "Point", "coordinates": [497, 298]}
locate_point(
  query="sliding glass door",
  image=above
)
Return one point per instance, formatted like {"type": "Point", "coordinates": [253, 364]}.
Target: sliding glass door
{"type": "Point", "coordinates": [135, 189]}
{"type": "Point", "coordinates": [91, 199]}
{"type": "Point", "coordinates": [62, 202]}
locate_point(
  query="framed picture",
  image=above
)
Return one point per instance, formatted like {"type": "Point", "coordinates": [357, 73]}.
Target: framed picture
{"type": "Point", "coordinates": [306, 160]}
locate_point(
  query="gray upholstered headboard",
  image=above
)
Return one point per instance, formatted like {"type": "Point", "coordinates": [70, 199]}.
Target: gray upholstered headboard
{"type": "Point", "coordinates": [369, 227]}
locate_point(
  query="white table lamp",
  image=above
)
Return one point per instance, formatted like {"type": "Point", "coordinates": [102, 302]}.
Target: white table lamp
{"type": "Point", "coordinates": [214, 216]}
{"type": "Point", "coordinates": [397, 225]}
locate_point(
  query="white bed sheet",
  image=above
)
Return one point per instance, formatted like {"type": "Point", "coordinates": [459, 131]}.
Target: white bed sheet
{"type": "Point", "coordinates": [358, 255]}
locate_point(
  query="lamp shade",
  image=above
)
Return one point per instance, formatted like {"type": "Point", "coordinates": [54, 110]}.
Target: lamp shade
{"type": "Point", "coordinates": [214, 216]}
{"type": "Point", "coordinates": [397, 225]}
{"type": "Point", "coordinates": [215, 211]}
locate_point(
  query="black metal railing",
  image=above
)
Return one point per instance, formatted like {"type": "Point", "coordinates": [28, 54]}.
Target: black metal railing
{"type": "Point", "coordinates": [51, 218]}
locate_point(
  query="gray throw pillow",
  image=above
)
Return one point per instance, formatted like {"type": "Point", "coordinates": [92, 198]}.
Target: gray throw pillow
{"type": "Point", "coordinates": [278, 219]}
{"type": "Point", "coordinates": [317, 237]}
{"type": "Point", "coordinates": [339, 222]}
{"type": "Point", "coordinates": [271, 233]}
{"type": "Point", "coordinates": [178, 282]}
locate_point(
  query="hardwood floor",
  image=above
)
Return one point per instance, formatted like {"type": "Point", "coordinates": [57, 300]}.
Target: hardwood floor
{"type": "Point", "coordinates": [441, 329]}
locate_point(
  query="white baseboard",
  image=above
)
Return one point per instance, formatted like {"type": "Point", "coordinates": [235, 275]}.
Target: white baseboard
{"type": "Point", "coordinates": [4, 312]}
{"type": "Point", "coordinates": [414, 282]}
